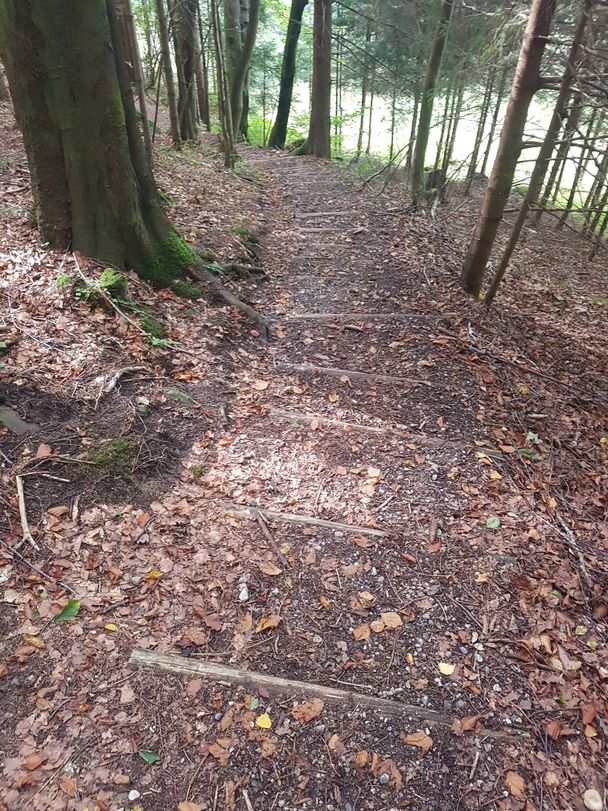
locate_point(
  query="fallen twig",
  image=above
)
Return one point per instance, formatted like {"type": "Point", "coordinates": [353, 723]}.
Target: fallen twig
{"type": "Point", "coordinates": [306, 368]}
{"type": "Point", "coordinates": [268, 535]}
{"type": "Point", "coordinates": [27, 535]}
{"type": "Point", "coordinates": [305, 519]}
{"type": "Point", "coordinates": [22, 559]}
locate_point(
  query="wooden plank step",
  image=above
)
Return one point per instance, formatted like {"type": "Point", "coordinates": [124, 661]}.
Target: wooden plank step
{"type": "Point", "coordinates": [306, 368]}
{"type": "Point", "coordinates": [351, 316]}
{"type": "Point", "coordinates": [357, 427]}
{"type": "Point", "coordinates": [304, 215]}
{"type": "Point", "coordinates": [276, 686]}
{"type": "Point", "coordinates": [296, 518]}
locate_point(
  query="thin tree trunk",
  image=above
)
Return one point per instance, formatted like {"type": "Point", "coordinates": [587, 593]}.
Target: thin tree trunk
{"type": "Point", "coordinates": [444, 125]}
{"type": "Point", "coordinates": [593, 128]}
{"type": "Point", "coordinates": [427, 100]}
{"type": "Point", "coordinates": [561, 157]}
{"type": "Point", "coordinates": [278, 133]}
{"type": "Point", "coordinates": [393, 123]}
{"type": "Point", "coordinates": [223, 93]}
{"type": "Point", "coordinates": [4, 94]}
{"type": "Point", "coordinates": [546, 150]}
{"type": "Point", "coordinates": [525, 85]}
{"type": "Point", "coordinates": [593, 197]}
{"type": "Point", "coordinates": [485, 107]}
{"type": "Point", "coordinates": [600, 208]}
{"type": "Point", "coordinates": [455, 120]}
{"type": "Point", "coordinates": [239, 49]}
{"type": "Point", "coordinates": [413, 128]}
{"type": "Point", "coordinates": [183, 19]}
{"type": "Point", "coordinates": [202, 82]}
{"type": "Point", "coordinates": [364, 90]}
{"type": "Point", "coordinates": [499, 99]}
{"type": "Point", "coordinates": [318, 142]}
{"type": "Point", "coordinates": [163, 33]}
{"type": "Point", "coordinates": [368, 147]}
{"type": "Point", "coordinates": [138, 75]}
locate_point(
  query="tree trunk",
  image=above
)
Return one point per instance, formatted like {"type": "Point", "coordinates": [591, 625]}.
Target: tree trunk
{"type": "Point", "coordinates": [413, 128]}
{"type": "Point", "coordinates": [202, 82]}
{"type": "Point", "coordinates": [546, 150]}
{"type": "Point", "coordinates": [593, 128]}
{"type": "Point", "coordinates": [163, 33]}
{"type": "Point", "coordinates": [318, 142]}
{"type": "Point", "coordinates": [223, 94]}
{"type": "Point", "coordinates": [4, 94]}
{"type": "Point", "coordinates": [137, 73]}
{"type": "Point", "coordinates": [278, 133]}
{"type": "Point", "coordinates": [426, 103]}
{"type": "Point", "coordinates": [499, 98]}
{"type": "Point", "coordinates": [562, 154]}
{"type": "Point", "coordinates": [91, 181]}
{"type": "Point", "coordinates": [485, 106]}
{"type": "Point", "coordinates": [525, 85]}
{"type": "Point", "coordinates": [444, 124]}
{"type": "Point", "coordinates": [239, 47]}
{"type": "Point", "coordinates": [372, 93]}
{"type": "Point", "coordinates": [592, 199]}
{"type": "Point", "coordinates": [391, 151]}
{"type": "Point", "coordinates": [451, 140]}
{"type": "Point", "coordinates": [364, 89]}
{"type": "Point", "coordinates": [183, 18]}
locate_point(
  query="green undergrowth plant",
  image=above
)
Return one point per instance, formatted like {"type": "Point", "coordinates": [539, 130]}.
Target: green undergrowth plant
{"type": "Point", "coordinates": [248, 238]}
{"type": "Point", "coordinates": [185, 290]}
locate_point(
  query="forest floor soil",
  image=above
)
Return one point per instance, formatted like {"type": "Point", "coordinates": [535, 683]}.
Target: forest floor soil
{"type": "Point", "coordinates": [400, 495]}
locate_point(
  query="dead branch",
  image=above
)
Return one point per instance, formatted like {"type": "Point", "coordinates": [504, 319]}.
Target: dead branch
{"type": "Point", "coordinates": [305, 519]}
{"type": "Point", "coordinates": [27, 535]}
{"type": "Point", "coordinates": [268, 535]}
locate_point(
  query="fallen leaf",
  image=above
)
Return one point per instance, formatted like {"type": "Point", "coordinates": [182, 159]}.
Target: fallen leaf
{"type": "Point", "coordinates": [361, 759]}
{"type": "Point", "coordinates": [193, 687]}
{"type": "Point", "coordinates": [362, 632]}
{"type": "Point", "coordinates": [516, 785]}
{"type": "Point", "coordinates": [213, 621]}
{"type": "Point", "coordinates": [110, 626]}
{"type": "Point", "coordinates": [68, 612]}
{"type": "Point", "coordinates": [126, 694]}
{"type": "Point", "coordinates": [554, 729]}
{"type": "Point", "coordinates": [32, 761]}
{"type": "Point", "coordinates": [324, 602]}
{"type": "Point", "coordinates": [418, 739]}
{"type": "Point", "coordinates": [261, 385]}
{"type": "Point", "coordinates": [197, 636]}
{"type": "Point", "coordinates": [447, 668]}
{"type": "Point", "coordinates": [335, 745]}
{"type": "Point", "coordinates": [588, 711]}
{"type": "Point", "coordinates": [186, 805]}
{"type": "Point", "coordinates": [268, 622]}
{"type": "Point", "coordinates": [470, 723]}
{"type": "Point", "coordinates": [43, 451]}
{"type": "Point", "coordinates": [269, 568]}
{"type": "Point", "coordinates": [148, 756]}
{"type": "Point", "coordinates": [493, 522]}
{"type": "Point", "coordinates": [263, 721]}
{"type": "Point", "coordinates": [389, 767]}
{"type": "Point", "coordinates": [308, 710]}
{"type": "Point", "coordinates": [391, 619]}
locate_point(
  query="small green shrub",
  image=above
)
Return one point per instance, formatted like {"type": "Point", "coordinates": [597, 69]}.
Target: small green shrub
{"type": "Point", "coordinates": [64, 280]}
{"type": "Point", "coordinates": [206, 255]}
{"type": "Point", "coordinates": [249, 240]}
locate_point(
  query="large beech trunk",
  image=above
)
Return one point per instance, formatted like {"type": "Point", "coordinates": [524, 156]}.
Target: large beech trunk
{"type": "Point", "coordinates": [318, 142]}
{"type": "Point", "coordinates": [240, 32]}
{"type": "Point", "coordinates": [91, 181]}
{"type": "Point", "coordinates": [525, 85]}
{"type": "Point", "coordinates": [278, 133]}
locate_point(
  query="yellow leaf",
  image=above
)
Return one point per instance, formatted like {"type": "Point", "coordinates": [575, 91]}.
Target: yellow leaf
{"type": "Point", "coordinates": [154, 574]}
{"type": "Point", "coordinates": [446, 668]}
{"type": "Point", "coordinates": [324, 602]}
{"type": "Point", "coordinates": [604, 440]}
{"type": "Point", "coordinates": [495, 476]}
{"type": "Point", "coordinates": [581, 630]}
{"type": "Point", "coordinates": [111, 627]}
{"type": "Point", "coordinates": [263, 721]}
{"type": "Point", "coordinates": [34, 641]}
{"type": "Point", "coordinates": [188, 806]}
{"type": "Point", "coordinates": [261, 385]}
{"type": "Point", "coordinates": [523, 389]}
{"type": "Point", "coordinates": [482, 577]}
{"type": "Point", "coordinates": [409, 658]}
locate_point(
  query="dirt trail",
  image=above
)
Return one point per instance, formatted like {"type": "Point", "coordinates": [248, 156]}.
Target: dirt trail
{"type": "Point", "coordinates": [366, 415]}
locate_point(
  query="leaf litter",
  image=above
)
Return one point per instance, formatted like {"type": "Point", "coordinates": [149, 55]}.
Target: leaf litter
{"type": "Point", "coordinates": [495, 616]}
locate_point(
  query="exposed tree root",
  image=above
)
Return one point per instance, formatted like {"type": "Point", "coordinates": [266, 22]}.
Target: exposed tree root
{"type": "Point", "coordinates": [202, 273]}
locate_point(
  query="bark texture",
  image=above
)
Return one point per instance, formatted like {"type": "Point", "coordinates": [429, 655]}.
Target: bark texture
{"type": "Point", "coordinates": [544, 156]}
{"type": "Point", "coordinates": [278, 133]}
{"type": "Point", "coordinates": [91, 181]}
{"type": "Point", "coordinates": [241, 21]}
{"type": "Point", "coordinates": [525, 85]}
{"type": "Point", "coordinates": [426, 102]}
{"type": "Point", "coordinates": [318, 142]}
{"type": "Point", "coordinates": [163, 32]}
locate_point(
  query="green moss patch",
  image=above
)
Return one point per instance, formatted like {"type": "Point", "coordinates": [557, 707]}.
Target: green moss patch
{"type": "Point", "coordinates": [168, 260]}
{"type": "Point", "coordinates": [117, 456]}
